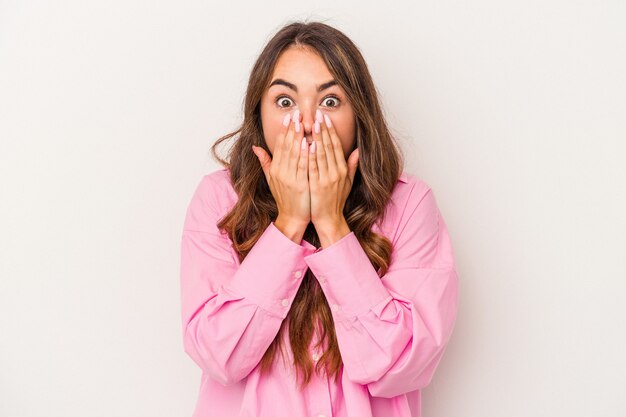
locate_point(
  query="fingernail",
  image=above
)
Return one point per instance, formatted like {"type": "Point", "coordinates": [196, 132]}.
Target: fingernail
{"type": "Point", "coordinates": [316, 126]}
{"type": "Point", "coordinates": [312, 147]}
{"type": "Point", "coordinates": [318, 115]}
{"type": "Point", "coordinates": [328, 123]}
{"type": "Point", "coordinates": [286, 119]}
{"type": "Point", "coordinates": [303, 145]}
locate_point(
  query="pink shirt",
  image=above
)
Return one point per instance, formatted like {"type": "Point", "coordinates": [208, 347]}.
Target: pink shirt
{"type": "Point", "coordinates": [391, 331]}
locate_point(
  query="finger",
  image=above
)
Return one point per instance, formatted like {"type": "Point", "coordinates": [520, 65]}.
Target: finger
{"type": "Point", "coordinates": [340, 159]}
{"type": "Point", "coordinates": [315, 144]}
{"type": "Point", "coordinates": [264, 160]}
{"type": "Point", "coordinates": [294, 152]}
{"type": "Point", "coordinates": [320, 146]}
{"type": "Point", "coordinates": [283, 165]}
{"type": "Point", "coordinates": [303, 162]}
{"type": "Point", "coordinates": [329, 149]}
{"type": "Point", "coordinates": [280, 140]}
{"type": "Point", "coordinates": [353, 163]}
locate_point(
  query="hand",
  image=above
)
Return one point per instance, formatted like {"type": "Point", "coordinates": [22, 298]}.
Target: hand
{"type": "Point", "coordinates": [330, 177]}
{"type": "Point", "coordinates": [286, 173]}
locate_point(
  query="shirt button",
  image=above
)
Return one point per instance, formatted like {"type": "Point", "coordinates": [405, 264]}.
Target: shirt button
{"type": "Point", "coordinates": [297, 274]}
{"type": "Point", "coordinates": [285, 302]}
{"type": "Point", "coordinates": [321, 415]}
{"type": "Point", "coordinates": [316, 356]}
{"type": "Point", "coordinates": [335, 307]}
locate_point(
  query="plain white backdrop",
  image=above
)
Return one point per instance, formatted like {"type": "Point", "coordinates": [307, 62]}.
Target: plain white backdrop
{"type": "Point", "coordinates": [513, 112]}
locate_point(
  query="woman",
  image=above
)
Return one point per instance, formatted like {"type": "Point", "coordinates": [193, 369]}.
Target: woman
{"type": "Point", "coordinates": [312, 245]}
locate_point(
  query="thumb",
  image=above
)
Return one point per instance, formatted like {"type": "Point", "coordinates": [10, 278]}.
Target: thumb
{"type": "Point", "coordinates": [353, 163]}
{"type": "Point", "coordinates": [264, 159]}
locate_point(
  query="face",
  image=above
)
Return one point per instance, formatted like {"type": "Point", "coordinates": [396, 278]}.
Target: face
{"type": "Point", "coordinates": [305, 71]}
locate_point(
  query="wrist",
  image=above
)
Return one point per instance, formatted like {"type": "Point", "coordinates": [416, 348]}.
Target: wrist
{"type": "Point", "coordinates": [332, 232]}
{"type": "Point", "coordinates": [293, 229]}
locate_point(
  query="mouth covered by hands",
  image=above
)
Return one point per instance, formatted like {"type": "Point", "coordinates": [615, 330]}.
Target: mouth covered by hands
{"type": "Point", "coordinates": [311, 182]}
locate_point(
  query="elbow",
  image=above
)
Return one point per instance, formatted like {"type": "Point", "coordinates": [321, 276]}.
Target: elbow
{"type": "Point", "coordinates": [416, 364]}
{"type": "Point", "coordinates": [413, 371]}
{"type": "Point", "coordinates": [225, 377]}
{"type": "Point", "coordinates": [211, 364]}
{"type": "Point", "coordinates": [413, 376]}
{"type": "Point", "coordinates": [389, 389]}
{"type": "Point", "coordinates": [382, 391]}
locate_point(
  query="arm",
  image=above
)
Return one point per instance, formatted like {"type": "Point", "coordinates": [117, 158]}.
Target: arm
{"type": "Point", "coordinates": [231, 312]}
{"type": "Point", "coordinates": [392, 332]}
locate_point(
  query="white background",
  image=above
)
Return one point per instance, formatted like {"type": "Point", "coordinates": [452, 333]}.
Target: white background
{"type": "Point", "coordinates": [513, 112]}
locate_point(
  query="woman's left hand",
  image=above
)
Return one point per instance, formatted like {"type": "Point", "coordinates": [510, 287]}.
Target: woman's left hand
{"type": "Point", "coordinates": [330, 177]}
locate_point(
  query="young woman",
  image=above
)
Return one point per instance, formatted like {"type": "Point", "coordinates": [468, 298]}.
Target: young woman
{"type": "Point", "coordinates": [313, 246]}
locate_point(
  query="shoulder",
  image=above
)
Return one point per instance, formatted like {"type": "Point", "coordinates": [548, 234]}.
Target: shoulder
{"type": "Point", "coordinates": [216, 178]}
{"type": "Point", "coordinates": [409, 187]}
{"type": "Point", "coordinates": [219, 178]}
{"type": "Point", "coordinates": [213, 194]}
{"type": "Point", "coordinates": [410, 193]}
{"type": "Point", "coordinates": [217, 186]}
{"type": "Point", "coordinates": [211, 199]}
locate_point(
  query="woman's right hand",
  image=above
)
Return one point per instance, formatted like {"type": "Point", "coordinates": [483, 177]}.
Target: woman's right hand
{"type": "Point", "coordinates": [287, 175]}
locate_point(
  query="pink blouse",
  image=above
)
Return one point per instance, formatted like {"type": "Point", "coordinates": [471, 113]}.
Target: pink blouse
{"type": "Point", "coordinates": [391, 331]}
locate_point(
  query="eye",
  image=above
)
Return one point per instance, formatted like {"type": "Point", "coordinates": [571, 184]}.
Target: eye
{"type": "Point", "coordinates": [331, 98]}
{"type": "Point", "coordinates": [283, 101]}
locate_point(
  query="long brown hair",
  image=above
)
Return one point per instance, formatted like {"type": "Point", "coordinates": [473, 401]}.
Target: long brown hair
{"type": "Point", "coordinates": [380, 165]}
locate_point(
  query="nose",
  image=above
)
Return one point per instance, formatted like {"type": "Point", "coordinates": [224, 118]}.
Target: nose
{"type": "Point", "coordinates": [307, 118]}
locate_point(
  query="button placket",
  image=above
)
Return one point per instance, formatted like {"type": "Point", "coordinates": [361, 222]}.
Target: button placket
{"type": "Point", "coordinates": [319, 398]}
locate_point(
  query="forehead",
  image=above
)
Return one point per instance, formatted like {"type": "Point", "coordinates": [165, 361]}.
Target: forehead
{"type": "Point", "coordinates": [301, 66]}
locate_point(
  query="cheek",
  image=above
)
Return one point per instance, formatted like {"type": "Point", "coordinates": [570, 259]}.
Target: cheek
{"type": "Point", "coordinates": [272, 126]}
{"type": "Point", "coordinates": [346, 132]}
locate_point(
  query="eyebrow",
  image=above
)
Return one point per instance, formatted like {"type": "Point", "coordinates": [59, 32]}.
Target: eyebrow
{"type": "Point", "coordinates": [324, 86]}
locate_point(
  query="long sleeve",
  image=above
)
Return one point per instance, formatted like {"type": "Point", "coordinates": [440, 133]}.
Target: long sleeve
{"type": "Point", "coordinates": [392, 331]}
{"type": "Point", "coordinates": [232, 311]}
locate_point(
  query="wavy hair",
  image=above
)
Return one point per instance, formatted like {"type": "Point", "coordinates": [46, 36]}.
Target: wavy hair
{"type": "Point", "coordinates": [380, 165]}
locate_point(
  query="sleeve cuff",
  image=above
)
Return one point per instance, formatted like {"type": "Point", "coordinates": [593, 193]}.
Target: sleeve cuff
{"type": "Point", "coordinates": [271, 273]}
{"type": "Point", "coordinates": [347, 277]}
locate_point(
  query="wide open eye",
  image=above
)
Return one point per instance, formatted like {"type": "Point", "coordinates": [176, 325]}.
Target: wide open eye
{"type": "Point", "coordinates": [332, 99]}
{"type": "Point", "coordinates": [282, 100]}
